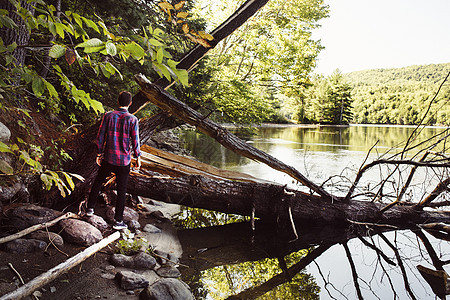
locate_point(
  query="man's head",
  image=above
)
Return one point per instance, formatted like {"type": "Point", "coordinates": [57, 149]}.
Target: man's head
{"type": "Point", "coordinates": [125, 99]}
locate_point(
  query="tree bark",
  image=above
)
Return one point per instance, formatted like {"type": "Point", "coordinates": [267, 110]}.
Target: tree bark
{"type": "Point", "coordinates": [273, 202]}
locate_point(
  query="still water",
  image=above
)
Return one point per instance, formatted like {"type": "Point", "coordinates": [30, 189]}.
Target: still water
{"type": "Point", "coordinates": [230, 260]}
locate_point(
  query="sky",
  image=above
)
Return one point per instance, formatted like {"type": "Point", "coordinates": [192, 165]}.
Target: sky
{"type": "Point", "coordinates": [368, 34]}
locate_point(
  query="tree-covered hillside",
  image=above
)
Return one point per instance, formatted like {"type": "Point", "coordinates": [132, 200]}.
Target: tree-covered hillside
{"type": "Point", "coordinates": [401, 96]}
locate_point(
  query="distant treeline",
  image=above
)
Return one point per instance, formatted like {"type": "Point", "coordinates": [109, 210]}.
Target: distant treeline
{"type": "Point", "coordinates": [401, 96]}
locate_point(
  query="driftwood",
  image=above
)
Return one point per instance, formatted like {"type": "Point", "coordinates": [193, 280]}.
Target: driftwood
{"type": "Point", "coordinates": [37, 227]}
{"type": "Point", "coordinates": [170, 104]}
{"type": "Point", "coordinates": [53, 273]}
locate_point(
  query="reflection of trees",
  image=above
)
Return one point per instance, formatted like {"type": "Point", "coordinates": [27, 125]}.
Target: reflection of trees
{"type": "Point", "coordinates": [243, 264]}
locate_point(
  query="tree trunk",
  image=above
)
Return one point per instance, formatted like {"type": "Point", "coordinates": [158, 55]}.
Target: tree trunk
{"type": "Point", "coordinates": [273, 202]}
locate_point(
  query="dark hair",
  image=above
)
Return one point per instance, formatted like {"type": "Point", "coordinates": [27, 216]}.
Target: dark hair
{"type": "Point", "coordinates": [124, 98]}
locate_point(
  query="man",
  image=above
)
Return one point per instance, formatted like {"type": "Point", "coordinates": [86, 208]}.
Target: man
{"type": "Point", "coordinates": [117, 137]}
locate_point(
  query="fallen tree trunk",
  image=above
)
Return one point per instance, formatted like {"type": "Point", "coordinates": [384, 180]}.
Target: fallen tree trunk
{"type": "Point", "coordinates": [273, 202]}
{"type": "Point", "coordinates": [53, 273]}
{"type": "Point", "coordinates": [172, 105]}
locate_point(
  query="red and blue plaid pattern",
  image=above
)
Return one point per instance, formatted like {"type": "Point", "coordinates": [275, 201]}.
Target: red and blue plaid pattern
{"type": "Point", "coordinates": [118, 136]}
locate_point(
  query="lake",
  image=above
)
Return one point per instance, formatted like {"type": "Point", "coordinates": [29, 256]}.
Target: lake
{"type": "Point", "coordinates": [229, 260]}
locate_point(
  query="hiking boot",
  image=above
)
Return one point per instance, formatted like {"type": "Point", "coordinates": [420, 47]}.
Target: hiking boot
{"type": "Point", "coordinates": [119, 225]}
{"type": "Point", "coordinates": [89, 212]}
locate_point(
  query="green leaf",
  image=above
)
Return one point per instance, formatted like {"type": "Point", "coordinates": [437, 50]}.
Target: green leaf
{"type": "Point", "coordinates": [113, 69]}
{"type": "Point", "coordinates": [105, 72]}
{"type": "Point", "coordinates": [38, 86]}
{"type": "Point", "coordinates": [156, 43]}
{"type": "Point", "coordinates": [95, 42]}
{"type": "Point", "coordinates": [159, 55]}
{"type": "Point", "coordinates": [111, 48]}
{"type": "Point", "coordinates": [79, 177]}
{"type": "Point", "coordinates": [78, 20]}
{"type": "Point", "coordinates": [183, 77]}
{"type": "Point", "coordinates": [8, 22]}
{"type": "Point", "coordinates": [47, 181]}
{"type": "Point", "coordinates": [59, 29]}
{"type": "Point", "coordinates": [51, 89]}
{"type": "Point", "coordinates": [69, 180]}
{"type": "Point", "coordinates": [56, 51]}
{"type": "Point", "coordinates": [94, 49]}
{"type": "Point", "coordinates": [52, 28]}
{"type": "Point", "coordinates": [5, 148]}
{"type": "Point", "coordinates": [91, 24]}
{"type": "Point", "coordinates": [136, 51]}
{"type": "Point", "coordinates": [6, 168]}
{"type": "Point", "coordinates": [97, 106]}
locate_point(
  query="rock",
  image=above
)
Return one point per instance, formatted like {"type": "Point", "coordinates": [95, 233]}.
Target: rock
{"type": "Point", "coordinates": [22, 246]}
{"type": "Point", "coordinates": [5, 133]}
{"type": "Point", "coordinates": [134, 225]}
{"type": "Point", "coordinates": [121, 260]}
{"type": "Point", "coordinates": [28, 215]}
{"type": "Point", "coordinates": [128, 214]}
{"type": "Point", "coordinates": [143, 260]}
{"type": "Point", "coordinates": [47, 237]}
{"type": "Point", "coordinates": [80, 232]}
{"type": "Point", "coordinates": [167, 289]}
{"type": "Point", "coordinates": [129, 280]}
{"type": "Point", "coordinates": [151, 229]}
{"type": "Point", "coordinates": [168, 272]}
{"type": "Point", "coordinates": [98, 222]}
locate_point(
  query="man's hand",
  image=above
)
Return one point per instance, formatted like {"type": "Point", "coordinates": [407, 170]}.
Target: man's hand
{"type": "Point", "coordinates": [137, 166]}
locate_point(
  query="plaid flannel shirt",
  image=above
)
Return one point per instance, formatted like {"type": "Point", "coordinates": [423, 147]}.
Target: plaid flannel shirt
{"type": "Point", "coordinates": [118, 136]}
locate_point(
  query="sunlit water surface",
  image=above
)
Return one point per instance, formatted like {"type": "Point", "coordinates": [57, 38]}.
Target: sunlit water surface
{"type": "Point", "coordinates": [321, 153]}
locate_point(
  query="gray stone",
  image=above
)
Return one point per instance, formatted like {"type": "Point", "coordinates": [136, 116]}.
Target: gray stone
{"type": "Point", "coordinates": [5, 133]}
{"type": "Point", "coordinates": [47, 237]}
{"type": "Point", "coordinates": [168, 272]}
{"type": "Point", "coordinates": [28, 215]}
{"type": "Point", "coordinates": [129, 280]}
{"type": "Point", "coordinates": [151, 229]}
{"type": "Point", "coordinates": [22, 246]}
{"type": "Point", "coordinates": [128, 214]}
{"type": "Point", "coordinates": [121, 260]}
{"type": "Point", "coordinates": [167, 289]}
{"type": "Point", "coordinates": [134, 225]}
{"type": "Point", "coordinates": [98, 222]}
{"type": "Point", "coordinates": [80, 232]}
{"type": "Point", "coordinates": [143, 260]}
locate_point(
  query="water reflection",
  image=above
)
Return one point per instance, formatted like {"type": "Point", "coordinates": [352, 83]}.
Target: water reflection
{"type": "Point", "coordinates": [233, 262]}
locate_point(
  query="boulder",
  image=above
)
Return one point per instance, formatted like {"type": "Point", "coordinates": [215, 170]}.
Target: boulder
{"type": "Point", "coordinates": [28, 215]}
{"type": "Point", "coordinates": [47, 237]}
{"type": "Point", "coordinates": [128, 214]}
{"type": "Point", "coordinates": [130, 280]}
{"type": "Point", "coordinates": [141, 260]}
{"type": "Point", "coordinates": [167, 289]}
{"type": "Point", "coordinates": [121, 260]}
{"type": "Point", "coordinates": [144, 260]}
{"type": "Point", "coordinates": [5, 133]}
{"type": "Point", "coordinates": [98, 222]}
{"type": "Point", "coordinates": [80, 232]}
{"type": "Point", "coordinates": [168, 272]}
{"type": "Point", "coordinates": [21, 246]}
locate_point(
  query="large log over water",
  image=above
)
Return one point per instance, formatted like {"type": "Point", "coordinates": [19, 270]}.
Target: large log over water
{"type": "Point", "coordinates": [272, 202]}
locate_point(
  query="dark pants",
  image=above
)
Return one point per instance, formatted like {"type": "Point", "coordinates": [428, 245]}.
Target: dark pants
{"type": "Point", "coordinates": [104, 171]}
